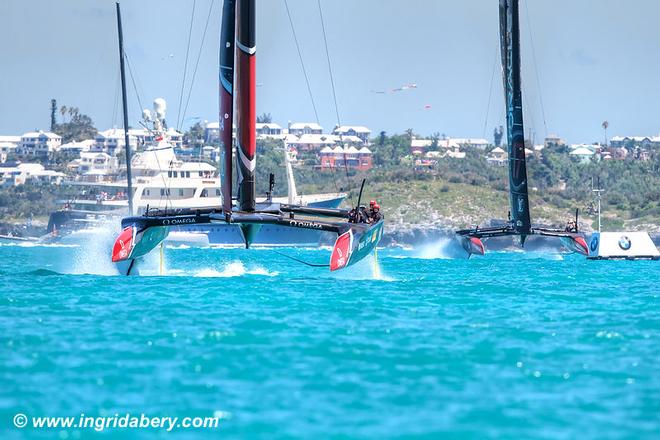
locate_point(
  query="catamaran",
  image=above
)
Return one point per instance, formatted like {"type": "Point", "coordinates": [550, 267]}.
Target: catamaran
{"type": "Point", "coordinates": [520, 222]}
{"type": "Point", "coordinates": [357, 235]}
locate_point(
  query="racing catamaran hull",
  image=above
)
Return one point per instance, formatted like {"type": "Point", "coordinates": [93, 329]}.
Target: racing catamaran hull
{"type": "Point", "coordinates": [140, 235]}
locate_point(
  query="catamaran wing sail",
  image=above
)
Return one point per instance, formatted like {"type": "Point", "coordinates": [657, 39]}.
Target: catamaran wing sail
{"type": "Point", "coordinates": [520, 221]}
{"type": "Point", "coordinates": [227, 44]}
{"type": "Point", "coordinates": [510, 47]}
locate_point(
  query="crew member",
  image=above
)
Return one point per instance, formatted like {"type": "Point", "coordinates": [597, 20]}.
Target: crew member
{"type": "Point", "coordinates": [374, 214]}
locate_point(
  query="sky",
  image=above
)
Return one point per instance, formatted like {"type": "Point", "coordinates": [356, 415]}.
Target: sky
{"type": "Point", "coordinates": [584, 62]}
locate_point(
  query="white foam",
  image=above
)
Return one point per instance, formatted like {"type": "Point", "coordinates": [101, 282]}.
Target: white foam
{"type": "Point", "coordinates": [234, 269]}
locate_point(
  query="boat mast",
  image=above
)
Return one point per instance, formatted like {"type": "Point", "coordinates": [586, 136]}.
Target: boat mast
{"type": "Point", "coordinates": [510, 47]}
{"type": "Point", "coordinates": [125, 110]}
{"type": "Point", "coordinates": [245, 103]}
{"type": "Point", "coordinates": [227, 43]}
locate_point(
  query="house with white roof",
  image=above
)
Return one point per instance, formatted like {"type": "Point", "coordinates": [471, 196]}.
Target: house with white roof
{"type": "Point", "coordinates": [7, 149]}
{"type": "Point", "coordinates": [301, 128]}
{"type": "Point", "coordinates": [311, 142]}
{"type": "Point", "coordinates": [111, 141]}
{"type": "Point", "coordinates": [350, 157]}
{"type": "Point", "coordinates": [74, 148]}
{"type": "Point", "coordinates": [39, 143]}
{"type": "Point", "coordinates": [269, 130]}
{"type": "Point", "coordinates": [353, 130]}
{"type": "Point", "coordinates": [29, 172]}
{"type": "Point", "coordinates": [95, 166]}
{"type": "Point", "coordinates": [472, 142]}
{"type": "Point", "coordinates": [636, 141]}
{"type": "Point", "coordinates": [583, 153]}
{"type": "Point", "coordinates": [212, 132]}
{"type": "Point", "coordinates": [497, 156]}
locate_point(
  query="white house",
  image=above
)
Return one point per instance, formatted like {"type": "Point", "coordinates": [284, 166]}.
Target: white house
{"type": "Point", "coordinates": [301, 128]}
{"type": "Point", "coordinates": [110, 141]}
{"type": "Point", "coordinates": [583, 153]}
{"type": "Point", "coordinates": [6, 148]}
{"type": "Point", "coordinates": [472, 142]}
{"type": "Point", "coordinates": [74, 148]}
{"type": "Point", "coordinates": [29, 172]}
{"type": "Point", "coordinates": [39, 143]}
{"type": "Point", "coordinates": [94, 167]}
{"type": "Point", "coordinates": [270, 130]}
{"type": "Point", "coordinates": [497, 156]}
{"type": "Point", "coordinates": [354, 130]}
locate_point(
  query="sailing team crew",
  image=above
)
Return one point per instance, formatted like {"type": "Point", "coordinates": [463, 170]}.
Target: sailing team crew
{"type": "Point", "coordinates": [362, 215]}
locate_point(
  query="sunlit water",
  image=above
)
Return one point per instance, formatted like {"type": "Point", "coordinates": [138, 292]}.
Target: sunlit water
{"type": "Point", "coordinates": [513, 345]}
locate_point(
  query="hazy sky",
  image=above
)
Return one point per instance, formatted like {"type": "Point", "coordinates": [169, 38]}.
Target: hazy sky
{"type": "Point", "coordinates": [595, 60]}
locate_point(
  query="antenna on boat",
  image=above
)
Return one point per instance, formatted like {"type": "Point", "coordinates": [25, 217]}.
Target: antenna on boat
{"type": "Point", "coordinates": [598, 190]}
{"type": "Point", "coordinates": [125, 110]}
{"type": "Point", "coordinates": [577, 213]}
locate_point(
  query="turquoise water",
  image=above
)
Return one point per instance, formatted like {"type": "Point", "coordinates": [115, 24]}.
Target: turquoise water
{"type": "Point", "coordinates": [510, 345]}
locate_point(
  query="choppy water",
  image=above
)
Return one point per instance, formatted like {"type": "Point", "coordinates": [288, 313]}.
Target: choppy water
{"type": "Point", "coordinates": [511, 345]}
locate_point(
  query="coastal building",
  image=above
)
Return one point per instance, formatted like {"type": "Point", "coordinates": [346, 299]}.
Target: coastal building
{"type": "Point", "coordinates": [95, 167]}
{"type": "Point", "coordinates": [469, 142]}
{"type": "Point", "coordinates": [311, 142]}
{"type": "Point", "coordinates": [635, 141]}
{"type": "Point", "coordinates": [301, 128]}
{"type": "Point", "coordinates": [350, 157]}
{"type": "Point", "coordinates": [358, 131]}
{"type": "Point", "coordinates": [270, 130]}
{"type": "Point", "coordinates": [212, 132]}
{"type": "Point", "coordinates": [497, 156]}
{"type": "Point", "coordinates": [74, 148]}
{"type": "Point", "coordinates": [38, 144]}
{"type": "Point", "coordinates": [111, 141]}
{"type": "Point", "coordinates": [7, 149]}
{"type": "Point", "coordinates": [583, 153]}
{"type": "Point", "coordinates": [29, 172]}
{"type": "Point", "coordinates": [419, 147]}
{"type": "Point", "coordinates": [553, 141]}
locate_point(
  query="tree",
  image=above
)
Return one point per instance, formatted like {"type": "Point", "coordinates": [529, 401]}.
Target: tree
{"type": "Point", "coordinates": [79, 127]}
{"type": "Point", "coordinates": [53, 111]}
{"type": "Point", "coordinates": [381, 138]}
{"type": "Point", "coordinates": [264, 118]}
{"type": "Point", "coordinates": [497, 136]}
{"type": "Point", "coordinates": [195, 135]}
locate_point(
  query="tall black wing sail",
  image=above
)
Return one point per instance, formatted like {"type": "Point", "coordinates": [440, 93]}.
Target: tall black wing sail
{"type": "Point", "coordinates": [510, 47]}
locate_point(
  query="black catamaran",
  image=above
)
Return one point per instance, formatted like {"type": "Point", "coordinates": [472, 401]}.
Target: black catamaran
{"type": "Point", "coordinates": [358, 235]}
{"type": "Point", "coordinates": [520, 221]}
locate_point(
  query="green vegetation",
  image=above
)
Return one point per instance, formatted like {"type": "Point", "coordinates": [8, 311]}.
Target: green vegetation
{"type": "Point", "coordinates": [78, 127]}
{"type": "Point", "coordinates": [459, 192]}
{"type": "Point", "coordinates": [18, 203]}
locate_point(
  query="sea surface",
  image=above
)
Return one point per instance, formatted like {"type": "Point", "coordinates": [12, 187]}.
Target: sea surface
{"type": "Point", "coordinates": [413, 345]}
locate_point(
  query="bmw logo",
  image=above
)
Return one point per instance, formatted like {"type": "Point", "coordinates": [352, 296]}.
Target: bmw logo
{"type": "Point", "coordinates": [624, 243]}
{"type": "Point", "coordinates": [594, 244]}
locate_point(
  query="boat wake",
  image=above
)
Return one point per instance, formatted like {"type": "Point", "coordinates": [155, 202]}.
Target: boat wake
{"type": "Point", "coordinates": [234, 269]}
{"type": "Point", "coordinates": [441, 249]}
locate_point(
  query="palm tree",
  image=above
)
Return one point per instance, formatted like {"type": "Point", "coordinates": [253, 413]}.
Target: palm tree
{"type": "Point", "coordinates": [63, 111]}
